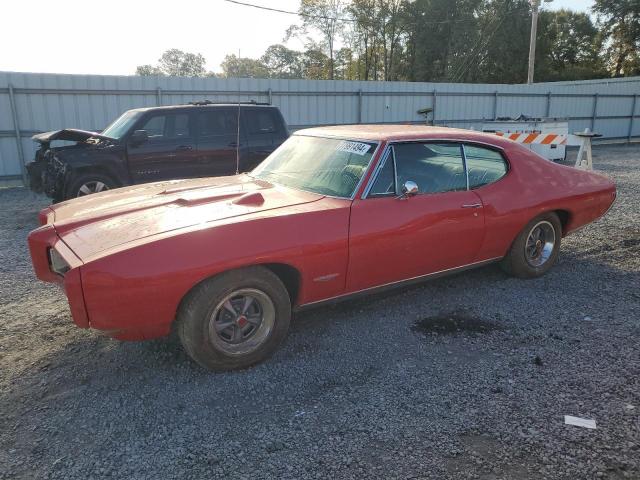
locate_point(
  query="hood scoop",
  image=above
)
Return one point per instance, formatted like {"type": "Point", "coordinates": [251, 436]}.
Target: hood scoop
{"type": "Point", "coordinates": [205, 197]}
{"type": "Point", "coordinates": [254, 199]}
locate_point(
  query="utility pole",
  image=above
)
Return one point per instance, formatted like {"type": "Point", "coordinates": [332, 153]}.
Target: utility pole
{"type": "Point", "coordinates": [535, 4]}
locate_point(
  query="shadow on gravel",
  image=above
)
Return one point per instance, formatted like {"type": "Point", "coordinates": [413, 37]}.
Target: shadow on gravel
{"type": "Point", "coordinates": [453, 323]}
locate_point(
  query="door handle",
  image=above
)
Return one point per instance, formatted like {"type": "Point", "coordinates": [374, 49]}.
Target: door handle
{"type": "Point", "coordinates": [472, 205]}
{"type": "Point", "coordinates": [232, 144]}
{"type": "Point", "coordinates": [184, 147]}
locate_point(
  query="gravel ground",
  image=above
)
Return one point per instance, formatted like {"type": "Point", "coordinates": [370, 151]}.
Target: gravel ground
{"type": "Point", "coordinates": [463, 377]}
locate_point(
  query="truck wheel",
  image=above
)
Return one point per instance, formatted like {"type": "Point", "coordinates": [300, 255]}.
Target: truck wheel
{"type": "Point", "coordinates": [235, 319]}
{"type": "Point", "coordinates": [536, 248]}
{"type": "Point", "coordinates": [86, 184]}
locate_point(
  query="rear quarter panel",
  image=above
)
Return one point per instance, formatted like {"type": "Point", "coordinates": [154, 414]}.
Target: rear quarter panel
{"type": "Point", "coordinates": [534, 186]}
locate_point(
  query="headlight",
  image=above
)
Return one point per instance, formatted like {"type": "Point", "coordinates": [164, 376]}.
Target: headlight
{"type": "Point", "coordinates": [57, 263]}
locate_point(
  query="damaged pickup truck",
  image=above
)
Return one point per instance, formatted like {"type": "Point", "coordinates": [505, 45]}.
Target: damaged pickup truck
{"type": "Point", "coordinates": [152, 144]}
{"type": "Point", "coordinates": [48, 173]}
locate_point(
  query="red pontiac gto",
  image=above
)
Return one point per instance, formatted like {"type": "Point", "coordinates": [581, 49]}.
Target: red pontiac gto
{"type": "Point", "coordinates": [333, 212]}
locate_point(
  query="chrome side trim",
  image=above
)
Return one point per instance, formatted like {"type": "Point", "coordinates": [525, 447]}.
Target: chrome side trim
{"type": "Point", "coordinates": [376, 171]}
{"type": "Point", "coordinates": [448, 140]}
{"type": "Point", "coordinates": [326, 278]}
{"type": "Point", "coordinates": [366, 170]}
{"type": "Point", "coordinates": [399, 283]}
{"type": "Point", "coordinates": [464, 163]}
{"type": "Point", "coordinates": [395, 170]}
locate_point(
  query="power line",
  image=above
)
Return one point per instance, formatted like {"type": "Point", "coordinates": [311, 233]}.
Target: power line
{"type": "Point", "coordinates": [335, 19]}
{"type": "Point", "coordinates": [464, 68]}
{"type": "Point", "coordinates": [461, 69]}
{"type": "Point", "coordinates": [289, 12]}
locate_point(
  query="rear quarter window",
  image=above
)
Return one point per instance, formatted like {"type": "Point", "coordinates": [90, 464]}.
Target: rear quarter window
{"type": "Point", "coordinates": [484, 165]}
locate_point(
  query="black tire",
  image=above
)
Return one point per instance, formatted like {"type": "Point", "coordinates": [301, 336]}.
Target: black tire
{"type": "Point", "coordinates": [75, 188]}
{"type": "Point", "coordinates": [202, 306]}
{"type": "Point", "coordinates": [518, 263]}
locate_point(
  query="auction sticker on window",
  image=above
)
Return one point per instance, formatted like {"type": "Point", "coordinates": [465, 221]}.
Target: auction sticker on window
{"type": "Point", "coordinates": [354, 147]}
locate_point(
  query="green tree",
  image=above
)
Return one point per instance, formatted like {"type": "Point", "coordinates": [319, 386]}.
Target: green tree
{"type": "Point", "coordinates": [442, 38]}
{"type": "Point", "coordinates": [315, 63]}
{"type": "Point", "coordinates": [282, 62]}
{"type": "Point", "coordinates": [346, 66]}
{"type": "Point", "coordinates": [375, 33]}
{"type": "Point", "coordinates": [176, 63]}
{"type": "Point", "coordinates": [568, 47]}
{"type": "Point", "coordinates": [327, 18]}
{"type": "Point", "coordinates": [500, 53]}
{"type": "Point", "coordinates": [148, 70]}
{"type": "Point", "coordinates": [620, 24]}
{"type": "Point", "coordinates": [233, 66]}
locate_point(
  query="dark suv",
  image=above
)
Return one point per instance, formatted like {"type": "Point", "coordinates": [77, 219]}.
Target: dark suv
{"type": "Point", "coordinates": [160, 143]}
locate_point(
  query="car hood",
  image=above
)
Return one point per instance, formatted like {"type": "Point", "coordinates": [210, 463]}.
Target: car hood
{"type": "Point", "coordinates": [97, 223]}
{"type": "Point", "coordinates": [68, 134]}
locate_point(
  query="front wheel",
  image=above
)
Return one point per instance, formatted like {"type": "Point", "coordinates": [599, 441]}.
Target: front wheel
{"type": "Point", "coordinates": [536, 248]}
{"type": "Point", "coordinates": [235, 319]}
{"type": "Point", "coordinates": [87, 184]}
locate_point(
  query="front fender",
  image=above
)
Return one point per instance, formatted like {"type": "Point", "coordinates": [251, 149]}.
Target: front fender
{"type": "Point", "coordinates": [140, 287]}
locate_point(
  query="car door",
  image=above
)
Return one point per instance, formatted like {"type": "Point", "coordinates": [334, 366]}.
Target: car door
{"type": "Point", "coordinates": [217, 138]}
{"type": "Point", "coordinates": [169, 151]}
{"type": "Point", "coordinates": [264, 134]}
{"type": "Point", "coordinates": [394, 238]}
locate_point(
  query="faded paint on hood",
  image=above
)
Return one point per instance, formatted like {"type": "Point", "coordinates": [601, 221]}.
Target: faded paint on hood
{"type": "Point", "coordinates": [95, 223]}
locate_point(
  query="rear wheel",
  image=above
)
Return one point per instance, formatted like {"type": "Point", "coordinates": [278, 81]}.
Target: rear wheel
{"type": "Point", "coordinates": [536, 248]}
{"type": "Point", "coordinates": [88, 184]}
{"type": "Point", "coordinates": [235, 319]}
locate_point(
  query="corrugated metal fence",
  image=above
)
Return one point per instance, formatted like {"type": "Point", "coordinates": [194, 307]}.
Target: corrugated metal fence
{"type": "Point", "coordinates": [33, 102]}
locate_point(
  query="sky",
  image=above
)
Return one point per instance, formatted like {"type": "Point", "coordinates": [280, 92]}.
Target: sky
{"type": "Point", "coordinates": [112, 38]}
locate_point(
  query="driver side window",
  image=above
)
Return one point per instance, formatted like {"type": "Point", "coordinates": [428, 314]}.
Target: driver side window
{"type": "Point", "coordinates": [434, 167]}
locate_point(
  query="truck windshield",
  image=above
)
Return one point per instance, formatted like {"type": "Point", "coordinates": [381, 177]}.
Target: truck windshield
{"type": "Point", "coordinates": [121, 125]}
{"type": "Point", "coordinates": [328, 166]}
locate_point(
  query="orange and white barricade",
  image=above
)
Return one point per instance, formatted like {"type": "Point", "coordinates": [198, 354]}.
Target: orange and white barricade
{"type": "Point", "coordinates": [535, 138]}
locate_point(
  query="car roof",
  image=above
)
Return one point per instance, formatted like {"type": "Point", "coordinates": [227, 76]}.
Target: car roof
{"type": "Point", "coordinates": [402, 132]}
{"type": "Point", "coordinates": [211, 105]}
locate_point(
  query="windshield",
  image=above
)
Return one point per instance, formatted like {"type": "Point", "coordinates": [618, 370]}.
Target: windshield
{"type": "Point", "coordinates": [121, 125]}
{"type": "Point", "coordinates": [327, 166]}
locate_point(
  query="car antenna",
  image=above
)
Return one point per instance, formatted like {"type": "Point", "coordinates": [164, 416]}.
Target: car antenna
{"type": "Point", "coordinates": [238, 129]}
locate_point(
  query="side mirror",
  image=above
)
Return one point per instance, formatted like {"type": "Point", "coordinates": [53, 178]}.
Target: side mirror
{"type": "Point", "coordinates": [409, 189]}
{"type": "Point", "coordinates": [138, 137]}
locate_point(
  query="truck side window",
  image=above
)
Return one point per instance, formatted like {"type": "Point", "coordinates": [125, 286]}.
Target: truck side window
{"type": "Point", "coordinates": [155, 126]}
{"type": "Point", "coordinates": [217, 122]}
{"type": "Point", "coordinates": [167, 127]}
{"type": "Point", "coordinates": [180, 126]}
{"type": "Point", "coordinates": [261, 121]}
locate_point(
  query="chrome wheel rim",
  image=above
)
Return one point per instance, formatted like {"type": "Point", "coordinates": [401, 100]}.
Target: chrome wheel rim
{"type": "Point", "coordinates": [242, 321]}
{"type": "Point", "coordinates": [92, 187]}
{"type": "Point", "coordinates": [540, 244]}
